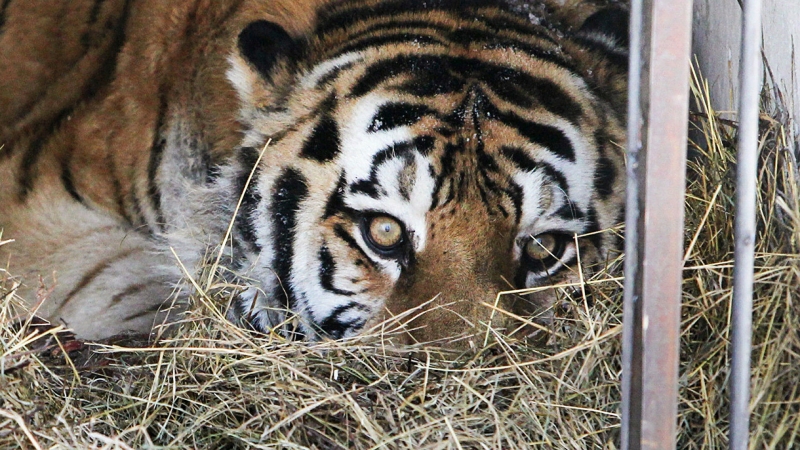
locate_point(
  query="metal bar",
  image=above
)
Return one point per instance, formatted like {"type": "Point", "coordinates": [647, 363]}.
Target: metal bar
{"type": "Point", "coordinates": [745, 227]}
{"type": "Point", "coordinates": [657, 129]}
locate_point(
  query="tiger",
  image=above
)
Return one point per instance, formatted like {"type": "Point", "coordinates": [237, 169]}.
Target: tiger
{"type": "Point", "coordinates": [349, 163]}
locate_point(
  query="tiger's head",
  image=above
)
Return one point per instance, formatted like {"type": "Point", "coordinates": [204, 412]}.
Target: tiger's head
{"type": "Point", "coordinates": [414, 159]}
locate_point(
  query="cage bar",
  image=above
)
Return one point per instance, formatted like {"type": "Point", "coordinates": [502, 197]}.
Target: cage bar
{"type": "Point", "coordinates": [657, 131]}
{"type": "Point", "coordinates": [745, 226]}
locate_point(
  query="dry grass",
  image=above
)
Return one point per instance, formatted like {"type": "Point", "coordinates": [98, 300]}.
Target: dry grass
{"type": "Point", "coordinates": [211, 385]}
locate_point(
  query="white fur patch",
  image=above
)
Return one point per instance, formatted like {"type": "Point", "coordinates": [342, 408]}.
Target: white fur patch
{"type": "Point", "coordinates": [320, 70]}
{"type": "Point", "coordinates": [242, 77]}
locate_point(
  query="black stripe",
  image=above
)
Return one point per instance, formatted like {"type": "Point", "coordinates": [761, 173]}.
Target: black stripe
{"type": "Point", "coordinates": [556, 176]}
{"type": "Point", "coordinates": [335, 204]}
{"type": "Point", "coordinates": [393, 115]}
{"type": "Point", "coordinates": [154, 163]}
{"type": "Point", "coordinates": [398, 24]}
{"type": "Point", "coordinates": [519, 158]}
{"type": "Point", "coordinates": [441, 74]}
{"type": "Point", "coordinates": [333, 325]}
{"type": "Point", "coordinates": [27, 170]}
{"type": "Point", "coordinates": [492, 40]}
{"type": "Point", "coordinates": [525, 91]}
{"type": "Point", "coordinates": [438, 74]}
{"type": "Point", "coordinates": [513, 191]}
{"type": "Point", "coordinates": [3, 7]}
{"type": "Point", "coordinates": [593, 228]}
{"type": "Point", "coordinates": [245, 217]}
{"type": "Point", "coordinates": [107, 70]}
{"type": "Point", "coordinates": [128, 291]}
{"type": "Point", "coordinates": [433, 68]}
{"type": "Point", "coordinates": [424, 144]}
{"type": "Point", "coordinates": [152, 309]}
{"type": "Point", "coordinates": [611, 22]}
{"type": "Point", "coordinates": [345, 17]}
{"type": "Point", "coordinates": [618, 58]}
{"type": "Point", "coordinates": [446, 161]}
{"type": "Point", "coordinates": [516, 25]}
{"type": "Point", "coordinates": [429, 83]}
{"type": "Point", "coordinates": [367, 187]}
{"type": "Point", "coordinates": [119, 198]}
{"type": "Point", "coordinates": [348, 239]}
{"type": "Point", "coordinates": [324, 143]}
{"type": "Point", "coordinates": [136, 211]}
{"type": "Point", "coordinates": [547, 136]}
{"type": "Point", "coordinates": [94, 14]}
{"type": "Point", "coordinates": [569, 211]}
{"type": "Point", "coordinates": [387, 39]}
{"type": "Point", "coordinates": [101, 78]}
{"type": "Point", "coordinates": [372, 186]}
{"type": "Point", "coordinates": [69, 185]}
{"type": "Point", "coordinates": [290, 190]}
{"type": "Point", "coordinates": [327, 270]}
{"type": "Point", "coordinates": [522, 161]}
{"type": "Point", "coordinates": [242, 311]}
{"type": "Point", "coordinates": [330, 76]}
{"type": "Point", "coordinates": [92, 274]}
{"type": "Point", "coordinates": [605, 174]}
{"type": "Point", "coordinates": [487, 163]}
{"type": "Point", "coordinates": [102, 75]}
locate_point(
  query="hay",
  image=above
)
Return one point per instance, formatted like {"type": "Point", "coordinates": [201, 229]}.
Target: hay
{"type": "Point", "coordinates": [212, 385]}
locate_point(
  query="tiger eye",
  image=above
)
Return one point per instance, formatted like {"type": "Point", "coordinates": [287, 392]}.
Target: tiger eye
{"type": "Point", "coordinates": [385, 232]}
{"type": "Point", "coordinates": [542, 247]}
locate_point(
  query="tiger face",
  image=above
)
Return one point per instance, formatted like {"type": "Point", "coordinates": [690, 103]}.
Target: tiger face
{"type": "Point", "coordinates": [413, 165]}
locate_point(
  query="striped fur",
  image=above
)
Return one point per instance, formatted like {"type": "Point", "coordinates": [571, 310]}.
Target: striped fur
{"type": "Point", "coordinates": [473, 126]}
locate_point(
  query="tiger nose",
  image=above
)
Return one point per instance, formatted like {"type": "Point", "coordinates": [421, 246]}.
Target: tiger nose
{"type": "Point", "coordinates": [458, 317]}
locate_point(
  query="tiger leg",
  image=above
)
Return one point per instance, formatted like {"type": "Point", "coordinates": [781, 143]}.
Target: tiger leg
{"type": "Point", "coordinates": [98, 277]}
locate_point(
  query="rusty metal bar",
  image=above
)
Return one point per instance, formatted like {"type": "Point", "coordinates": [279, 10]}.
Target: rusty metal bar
{"type": "Point", "coordinates": [745, 227]}
{"type": "Point", "coordinates": [657, 127]}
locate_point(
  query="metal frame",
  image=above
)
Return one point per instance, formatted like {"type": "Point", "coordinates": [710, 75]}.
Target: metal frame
{"type": "Point", "coordinates": [745, 227]}
{"type": "Point", "coordinates": [658, 94]}
{"type": "Point", "coordinates": [657, 133]}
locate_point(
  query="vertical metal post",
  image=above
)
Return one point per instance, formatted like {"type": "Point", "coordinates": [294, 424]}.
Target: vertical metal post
{"type": "Point", "coordinates": [657, 128]}
{"type": "Point", "coordinates": [745, 227]}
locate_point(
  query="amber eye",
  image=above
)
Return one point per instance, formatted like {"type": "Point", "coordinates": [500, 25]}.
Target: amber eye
{"type": "Point", "coordinates": [384, 233]}
{"type": "Point", "coordinates": [544, 247]}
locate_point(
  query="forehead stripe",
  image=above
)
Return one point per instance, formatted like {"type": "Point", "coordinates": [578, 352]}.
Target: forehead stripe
{"type": "Point", "coordinates": [474, 36]}
{"type": "Point", "coordinates": [372, 185]}
{"type": "Point", "coordinates": [332, 74]}
{"type": "Point", "coordinates": [549, 137]}
{"type": "Point", "coordinates": [393, 115]}
{"type": "Point", "coordinates": [442, 74]}
{"type": "Point", "coordinates": [324, 143]}
{"type": "Point", "coordinates": [404, 25]}
{"type": "Point", "coordinates": [523, 161]}
{"type": "Point", "coordinates": [384, 39]}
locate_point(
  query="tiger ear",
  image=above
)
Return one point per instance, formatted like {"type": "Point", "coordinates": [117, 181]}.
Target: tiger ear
{"type": "Point", "coordinates": [262, 48]}
{"type": "Point", "coordinates": [263, 43]}
{"type": "Point", "coordinates": [605, 65]}
{"type": "Point", "coordinates": [607, 27]}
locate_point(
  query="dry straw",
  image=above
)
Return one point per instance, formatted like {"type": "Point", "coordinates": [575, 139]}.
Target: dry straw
{"type": "Point", "coordinates": [212, 385]}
